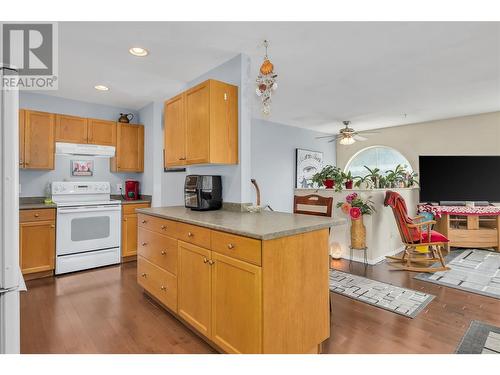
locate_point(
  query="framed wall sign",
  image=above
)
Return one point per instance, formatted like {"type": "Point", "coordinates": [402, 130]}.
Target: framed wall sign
{"type": "Point", "coordinates": [82, 168]}
{"type": "Point", "coordinates": [307, 163]}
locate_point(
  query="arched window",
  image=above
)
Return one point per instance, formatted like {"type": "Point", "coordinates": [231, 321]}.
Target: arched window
{"type": "Point", "coordinates": [381, 157]}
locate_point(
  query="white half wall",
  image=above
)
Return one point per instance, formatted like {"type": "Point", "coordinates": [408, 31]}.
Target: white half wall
{"type": "Point", "coordinates": [273, 159]}
{"type": "Point", "coordinates": [382, 234]}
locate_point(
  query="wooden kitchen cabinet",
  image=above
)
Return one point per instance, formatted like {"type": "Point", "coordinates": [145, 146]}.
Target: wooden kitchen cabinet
{"type": "Point", "coordinates": [37, 241]}
{"type": "Point", "coordinates": [236, 305]}
{"type": "Point", "coordinates": [175, 132]}
{"type": "Point", "coordinates": [244, 295]}
{"type": "Point", "coordinates": [201, 125]}
{"type": "Point", "coordinates": [129, 230]}
{"type": "Point", "coordinates": [38, 132]}
{"type": "Point", "coordinates": [101, 132]}
{"type": "Point", "coordinates": [22, 126]}
{"type": "Point", "coordinates": [194, 287]}
{"type": "Point", "coordinates": [129, 148]}
{"type": "Point", "coordinates": [71, 129]}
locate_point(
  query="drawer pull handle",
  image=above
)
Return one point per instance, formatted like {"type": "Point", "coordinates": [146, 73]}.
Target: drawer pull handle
{"type": "Point", "coordinates": [190, 234]}
{"type": "Point", "coordinates": [211, 262]}
{"type": "Point", "coordinates": [144, 275]}
{"type": "Point", "coordinates": [144, 221]}
{"type": "Point", "coordinates": [163, 227]}
{"type": "Point", "coordinates": [230, 246]}
{"type": "Point", "coordinates": [163, 252]}
{"type": "Point", "coordinates": [205, 260]}
{"type": "Point", "coordinates": [52, 226]}
{"type": "Point", "coordinates": [163, 287]}
{"type": "Point", "coordinates": [37, 215]}
{"type": "Point", "coordinates": [144, 243]}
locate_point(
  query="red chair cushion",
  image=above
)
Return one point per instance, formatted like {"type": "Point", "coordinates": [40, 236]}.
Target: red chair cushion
{"type": "Point", "coordinates": [435, 237]}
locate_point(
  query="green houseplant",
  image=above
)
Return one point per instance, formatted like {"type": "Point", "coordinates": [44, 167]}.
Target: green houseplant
{"type": "Point", "coordinates": [329, 177]}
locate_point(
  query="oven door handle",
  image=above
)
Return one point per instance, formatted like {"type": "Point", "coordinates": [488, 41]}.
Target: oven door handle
{"type": "Point", "coordinates": [85, 210]}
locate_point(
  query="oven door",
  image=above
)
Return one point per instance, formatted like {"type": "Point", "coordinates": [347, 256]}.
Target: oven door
{"type": "Point", "coordinates": [87, 228]}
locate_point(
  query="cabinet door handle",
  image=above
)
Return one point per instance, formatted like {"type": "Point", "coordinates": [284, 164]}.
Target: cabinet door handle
{"type": "Point", "coordinates": [211, 262]}
{"type": "Point", "coordinates": [163, 252]}
{"type": "Point", "coordinates": [20, 162]}
{"type": "Point", "coordinates": [163, 287]}
{"type": "Point", "coordinates": [37, 215]}
{"type": "Point", "coordinates": [144, 221]}
{"type": "Point", "coordinates": [144, 275]}
{"type": "Point", "coordinates": [52, 226]}
{"type": "Point", "coordinates": [144, 243]}
{"type": "Point", "coordinates": [163, 227]}
{"type": "Point", "coordinates": [230, 246]}
{"type": "Point", "coordinates": [205, 260]}
{"type": "Point", "coordinates": [190, 234]}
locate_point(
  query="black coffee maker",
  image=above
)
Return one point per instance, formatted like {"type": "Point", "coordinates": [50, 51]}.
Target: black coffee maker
{"type": "Point", "coordinates": [203, 193]}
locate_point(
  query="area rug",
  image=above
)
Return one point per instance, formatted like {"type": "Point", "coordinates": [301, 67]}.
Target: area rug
{"type": "Point", "coordinates": [402, 301]}
{"type": "Point", "coordinates": [472, 270]}
{"type": "Point", "coordinates": [480, 338]}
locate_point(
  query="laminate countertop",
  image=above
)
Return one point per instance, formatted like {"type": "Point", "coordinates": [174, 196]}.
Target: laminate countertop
{"type": "Point", "coordinates": [34, 203]}
{"type": "Point", "coordinates": [265, 225]}
{"type": "Point", "coordinates": [144, 199]}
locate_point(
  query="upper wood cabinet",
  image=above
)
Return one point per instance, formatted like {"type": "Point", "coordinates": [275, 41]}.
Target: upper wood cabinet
{"type": "Point", "coordinates": [129, 148]}
{"type": "Point", "coordinates": [175, 132]}
{"type": "Point", "coordinates": [101, 132]}
{"type": "Point", "coordinates": [201, 125]}
{"type": "Point", "coordinates": [71, 129]}
{"type": "Point", "coordinates": [37, 140]}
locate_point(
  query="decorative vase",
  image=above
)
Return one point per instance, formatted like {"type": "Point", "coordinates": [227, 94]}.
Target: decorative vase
{"type": "Point", "coordinates": [358, 234]}
{"type": "Point", "coordinates": [329, 184]}
{"type": "Point", "coordinates": [348, 184]}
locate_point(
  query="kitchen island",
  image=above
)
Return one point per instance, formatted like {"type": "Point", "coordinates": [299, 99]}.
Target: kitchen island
{"type": "Point", "coordinates": [245, 282]}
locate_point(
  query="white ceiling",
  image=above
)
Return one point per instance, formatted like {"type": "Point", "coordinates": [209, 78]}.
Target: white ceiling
{"type": "Point", "coordinates": [368, 72]}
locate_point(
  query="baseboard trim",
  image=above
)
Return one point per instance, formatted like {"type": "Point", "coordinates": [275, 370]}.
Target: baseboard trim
{"type": "Point", "coordinates": [371, 262]}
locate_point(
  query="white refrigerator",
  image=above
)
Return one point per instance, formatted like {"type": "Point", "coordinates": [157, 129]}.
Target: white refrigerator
{"type": "Point", "coordinates": [11, 281]}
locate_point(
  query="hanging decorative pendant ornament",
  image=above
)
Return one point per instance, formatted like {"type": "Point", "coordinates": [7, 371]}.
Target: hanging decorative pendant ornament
{"type": "Point", "coordinates": [266, 82]}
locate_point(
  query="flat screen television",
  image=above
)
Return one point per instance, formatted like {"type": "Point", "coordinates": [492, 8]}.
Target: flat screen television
{"type": "Point", "coordinates": [459, 178]}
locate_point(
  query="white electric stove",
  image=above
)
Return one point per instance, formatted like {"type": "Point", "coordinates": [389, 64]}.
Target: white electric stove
{"type": "Point", "coordinates": [88, 226]}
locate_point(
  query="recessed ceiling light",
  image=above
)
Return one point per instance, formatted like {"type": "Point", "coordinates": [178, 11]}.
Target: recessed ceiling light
{"type": "Point", "coordinates": [138, 51]}
{"type": "Point", "coordinates": [101, 88]}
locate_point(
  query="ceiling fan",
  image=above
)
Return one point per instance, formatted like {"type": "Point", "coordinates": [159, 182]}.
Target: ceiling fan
{"type": "Point", "coordinates": [347, 135]}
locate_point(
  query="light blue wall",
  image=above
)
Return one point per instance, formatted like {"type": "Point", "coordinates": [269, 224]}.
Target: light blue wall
{"type": "Point", "coordinates": [33, 182]}
{"type": "Point", "coordinates": [234, 177]}
{"type": "Point", "coordinates": [273, 159]}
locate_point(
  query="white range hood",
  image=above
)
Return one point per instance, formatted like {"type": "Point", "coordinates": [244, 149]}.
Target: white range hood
{"type": "Point", "coordinates": [84, 149]}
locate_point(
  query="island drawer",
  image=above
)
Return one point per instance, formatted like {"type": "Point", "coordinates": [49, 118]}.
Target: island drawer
{"type": "Point", "coordinates": [129, 208]}
{"type": "Point", "coordinates": [243, 248]}
{"type": "Point", "coordinates": [156, 224]}
{"type": "Point", "coordinates": [160, 283]}
{"type": "Point", "coordinates": [44, 214]}
{"type": "Point", "coordinates": [158, 249]}
{"type": "Point", "coordinates": [194, 234]}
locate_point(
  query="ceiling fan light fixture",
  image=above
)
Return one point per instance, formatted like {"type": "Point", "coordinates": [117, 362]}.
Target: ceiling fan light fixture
{"type": "Point", "coordinates": [346, 141]}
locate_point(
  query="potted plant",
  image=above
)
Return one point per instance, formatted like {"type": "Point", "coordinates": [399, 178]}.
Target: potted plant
{"type": "Point", "coordinates": [347, 179]}
{"type": "Point", "coordinates": [396, 177]}
{"type": "Point", "coordinates": [355, 206]}
{"type": "Point", "coordinates": [329, 176]}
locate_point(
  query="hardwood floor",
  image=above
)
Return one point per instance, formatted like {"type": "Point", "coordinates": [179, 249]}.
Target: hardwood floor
{"type": "Point", "coordinates": [357, 327]}
{"type": "Point", "coordinates": [105, 311]}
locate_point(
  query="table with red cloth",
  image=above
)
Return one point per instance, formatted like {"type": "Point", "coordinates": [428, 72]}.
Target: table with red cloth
{"type": "Point", "coordinates": [439, 211]}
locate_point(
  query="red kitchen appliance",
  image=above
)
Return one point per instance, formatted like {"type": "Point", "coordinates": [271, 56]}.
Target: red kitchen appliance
{"type": "Point", "coordinates": [131, 190]}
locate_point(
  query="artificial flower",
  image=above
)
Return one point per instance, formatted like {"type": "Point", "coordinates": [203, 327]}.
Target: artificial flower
{"type": "Point", "coordinates": [351, 197]}
{"type": "Point", "coordinates": [346, 207]}
{"type": "Point", "coordinates": [355, 213]}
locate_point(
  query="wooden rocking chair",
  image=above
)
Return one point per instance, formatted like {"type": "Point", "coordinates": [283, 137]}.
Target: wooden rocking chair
{"type": "Point", "coordinates": [413, 234]}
